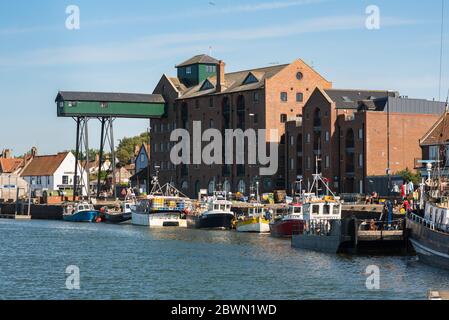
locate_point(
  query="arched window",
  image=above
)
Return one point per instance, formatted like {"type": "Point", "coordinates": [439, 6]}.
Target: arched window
{"type": "Point", "coordinates": [241, 187]}
{"type": "Point", "coordinates": [211, 187]}
{"type": "Point", "coordinates": [226, 107]}
{"type": "Point", "coordinates": [185, 115]}
{"type": "Point", "coordinates": [241, 112]}
{"type": "Point", "coordinates": [350, 157]}
{"type": "Point", "coordinates": [299, 155]}
{"type": "Point", "coordinates": [185, 185]}
{"type": "Point", "coordinates": [227, 186]}
{"type": "Point", "coordinates": [350, 141]}
{"type": "Point", "coordinates": [197, 187]}
{"type": "Point", "coordinates": [317, 118]}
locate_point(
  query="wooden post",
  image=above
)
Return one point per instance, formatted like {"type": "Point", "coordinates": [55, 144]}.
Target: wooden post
{"type": "Point", "coordinates": [100, 164]}
{"type": "Point", "coordinates": [75, 178]}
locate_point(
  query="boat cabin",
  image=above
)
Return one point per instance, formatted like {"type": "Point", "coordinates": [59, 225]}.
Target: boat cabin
{"type": "Point", "coordinates": [73, 208]}
{"type": "Point", "coordinates": [322, 210]}
{"type": "Point", "coordinates": [437, 215]}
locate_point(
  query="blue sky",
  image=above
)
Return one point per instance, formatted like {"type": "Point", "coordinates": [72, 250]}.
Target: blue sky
{"type": "Point", "coordinates": [127, 46]}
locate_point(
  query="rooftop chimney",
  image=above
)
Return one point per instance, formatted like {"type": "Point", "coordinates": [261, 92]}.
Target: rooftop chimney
{"type": "Point", "coordinates": [220, 76]}
{"type": "Point", "coordinates": [7, 153]}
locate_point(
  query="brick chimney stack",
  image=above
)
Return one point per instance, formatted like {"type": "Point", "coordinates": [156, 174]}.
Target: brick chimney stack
{"type": "Point", "coordinates": [7, 153]}
{"type": "Point", "coordinates": [221, 76]}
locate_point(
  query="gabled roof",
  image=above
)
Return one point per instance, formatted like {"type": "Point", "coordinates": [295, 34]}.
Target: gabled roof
{"type": "Point", "coordinates": [234, 81]}
{"type": "Point", "coordinates": [199, 59]}
{"type": "Point", "coordinates": [110, 97]}
{"type": "Point", "coordinates": [10, 165]}
{"type": "Point", "coordinates": [44, 165]}
{"type": "Point", "coordinates": [439, 133]}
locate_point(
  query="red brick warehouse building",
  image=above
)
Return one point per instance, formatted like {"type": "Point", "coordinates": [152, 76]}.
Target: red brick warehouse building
{"type": "Point", "coordinates": [360, 136]}
{"type": "Point", "coordinates": [263, 98]}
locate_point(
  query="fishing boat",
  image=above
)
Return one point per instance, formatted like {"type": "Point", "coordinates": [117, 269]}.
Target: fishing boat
{"type": "Point", "coordinates": [282, 226]}
{"type": "Point", "coordinates": [255, 221]}
{"type": "Point", "coordinates": [121, 213]}
{"type": "Point", "coordinates": [429, 235]}
{"type": "Point", "coordinates": [80, 212]}
{"type": "Point", "coordinates": [165, 206]}
{"type": "Point", "coordinates": [217, 214]}
{"type": "Point", "coordinates": [320, 229]}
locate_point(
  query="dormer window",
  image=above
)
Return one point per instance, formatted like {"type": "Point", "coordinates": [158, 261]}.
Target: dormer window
{"type": "Point", "coordinates": [207, 85]}
{"type": "Point", "coordinates": [251, 78]}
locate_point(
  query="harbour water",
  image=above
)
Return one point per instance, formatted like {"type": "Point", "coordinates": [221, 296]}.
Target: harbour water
{"type": "Point", "coordinates": [128, 262]}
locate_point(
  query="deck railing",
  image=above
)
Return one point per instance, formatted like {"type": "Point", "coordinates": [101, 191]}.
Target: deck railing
{"type": "Point", "coordinates": [428, 224]}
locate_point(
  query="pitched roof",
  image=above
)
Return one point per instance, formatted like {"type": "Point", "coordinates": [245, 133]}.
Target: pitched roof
{"type": "Point", "coordinates": [110, 97]}
{"type": "Point", "coordinates": [439, 133]}
{"type": "Point", "coordinates": [201, 58]}
{"type": "Point", "coordinates": [349, 99]}
{"type": "Point", "coordinates": [10, 165]}
{"type": "Point", "coordinates": [44, 165]}
{"type": "Point", "coordinates": [234, 81]}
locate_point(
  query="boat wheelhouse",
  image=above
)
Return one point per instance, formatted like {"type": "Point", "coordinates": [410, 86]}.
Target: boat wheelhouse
{"type": "Point", "coordinates": [80, 212]}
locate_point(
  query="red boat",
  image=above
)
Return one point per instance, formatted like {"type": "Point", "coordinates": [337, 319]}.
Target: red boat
{"type": "Point", "coordinates": [294, 220]}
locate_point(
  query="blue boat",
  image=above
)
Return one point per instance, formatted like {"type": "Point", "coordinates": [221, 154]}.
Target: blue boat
{"type": "Point", "coordinates": [80, 212]}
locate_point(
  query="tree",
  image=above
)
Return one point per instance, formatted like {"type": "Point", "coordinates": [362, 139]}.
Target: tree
{"type": "Point", "coordinates": [82, 156]}
{"type": "Point", "coordinates": [409, 175]}
{"type": "Point", "coordinates": [125, 149]}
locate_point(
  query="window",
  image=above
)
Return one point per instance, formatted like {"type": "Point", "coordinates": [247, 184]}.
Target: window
{"type": "Point", "coordinates": [206, 85]}
{"type": "Point", "coordinates": [250, 79]}
{"type": "Point", "coordinates": [65, 180]}
{"type": "Point", "coordinates": [361, 134]}
{"type": "Point", "coordinates": [211, 69]}
{"type": "Point", "coordinates": [292, 141]}
{"type": "Point", "coordinates": [211, 123]}
{"type": "Point", "coordinates": [308, 163]}
{"type": "Point", "coordinates": [292, 164]}
{"type": "Point", "coordinates": [256, 119]}
{"type": "Point", "coordinates": [299, 76]}
{"type": "Point", "coordinates": [142, 158]}
{"type": "Point", "coordinates": [361, 160]}
{"type": "Point", "coordinates": [283, 118]}
{"type": "Point", "coordinates": [162, 147]}
{"type": "Point", "coordinates": [71, 104]}
{"type": "Point", "coordinates": [48, 180]}
{"type": "Point", "coordinates": [308, 138]}
{"type": "Point", "coordinates": [61, 104]}
{"type": "Point", "coordinates": [315, 209]}
{"type": "Point", "coordinates": [155, 147]}
{"type": "Point", "coordinates": [189, 70]}
{"type": "Point", "coordinates": [284, 96]}
{"type": "Point", "coordinates": [211, 102]}
{"type": "Point", "coordinates": [327, 162]}
{"type": "Point", "coordinates": [256, 97]}
{"type": "Point", "coordinates": [299, 97]}
{"type": "Point", "coordinates": [327, 136]}
{"type": "Point", "coordinates": [326, 209]}
{"type": "Point", "coordinates": [103, 105]}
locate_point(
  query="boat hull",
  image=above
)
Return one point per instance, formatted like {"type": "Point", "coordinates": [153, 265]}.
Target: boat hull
{"type": "Point", "coordinates": [218, 221]}
{"type": "Point", "coordinates": [284, 228]}
{"type": "Point", "coordinates": [118, 218]}
{"type": "Point", "coordinates": [83, 216]}
{"type": "Point", "coordinates": [431, 246]}
{"type": "Point", "coordinates": [255, 225]}
{"type": "Point", "coordinates": [158, 220]}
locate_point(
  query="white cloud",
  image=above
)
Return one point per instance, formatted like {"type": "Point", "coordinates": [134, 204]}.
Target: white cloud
{"type": "Point", "coordinates": [156, 46]}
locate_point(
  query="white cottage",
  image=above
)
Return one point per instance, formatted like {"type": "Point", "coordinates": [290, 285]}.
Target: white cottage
{"type": "Point", "coordinates": [53, 172]}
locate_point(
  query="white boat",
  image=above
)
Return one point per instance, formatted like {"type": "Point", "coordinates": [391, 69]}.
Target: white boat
{"type": "Point", "coordinates": [255, 221]}
{"type": "Point", "coordinates": [165, 207]}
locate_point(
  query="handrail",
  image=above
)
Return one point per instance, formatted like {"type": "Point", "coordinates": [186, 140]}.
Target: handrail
{"type": "Point", "coordinates": [429, 224]}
